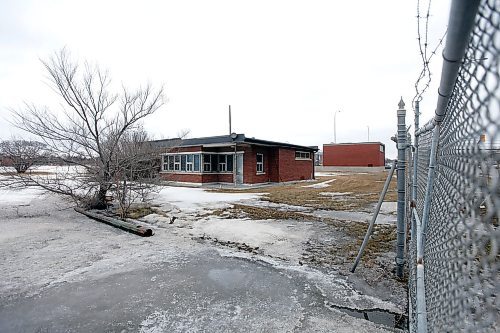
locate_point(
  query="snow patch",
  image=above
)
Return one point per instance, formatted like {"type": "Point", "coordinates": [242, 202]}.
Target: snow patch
{"type": "Point", "coordinates": [192, 199]}
{"type": "Point", "coordinates": [334, 194]}
{"type": "Point", "coordinates": [274, 238]}
{"type": "Point", "coordinates": [320, 185]}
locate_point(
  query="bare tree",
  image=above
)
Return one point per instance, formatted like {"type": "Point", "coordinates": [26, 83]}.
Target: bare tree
{"type": "Point", "coordinates": [89, 130]}
{"type": "Point", "coordinates": [21, 154]}
{"type": "Point", "coordinates": [138, 164]}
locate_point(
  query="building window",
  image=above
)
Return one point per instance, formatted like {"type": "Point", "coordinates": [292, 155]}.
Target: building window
{"type": "Point", "coordinates": [225, 163]}
{"type": "Point", "coordinates": [198, 162]}
{"type": "Point", "coordinates": [165, 162]}
{"type": "Point", "coordinates": [189, 162]}
{"type": "Point", "coordinates": [181, 162]}
{"type": "Point", "coordinates": [206, 163]}
{"type": "Point", "coordinates": [302, 155]}
{"type": "Point", "coordinates": [177, 162]}
{"type": "Point", "coordinates": [214, 162]}
{"type": "Point", "coordinates": [170, 162]}
{"type": "Point", "coordinates": [230, 160]}
{"type": "Point", "coordinates": [260, 163]}
{"type": "Point", "coordinates": [381, 148]}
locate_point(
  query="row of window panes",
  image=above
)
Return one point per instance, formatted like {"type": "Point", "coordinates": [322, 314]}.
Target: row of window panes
{"type": "Point", "coordinates": [302, 155]}
{"type": "Point", "coordinates": [194, 162]}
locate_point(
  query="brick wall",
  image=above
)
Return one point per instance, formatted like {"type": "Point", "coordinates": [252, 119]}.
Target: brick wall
{"type": "Point", "coordinates": [366, 154]}
{"type": "Point", "coordinates": [197, 177]}
{"type": "Point", "coordinates": [292, 169]}
{"type": "Point", "coordinates": [250, 175]}
{"type": "Point", "coordinates": [182, 177]}
{"type": "Point", "coordinates": [280, 165]}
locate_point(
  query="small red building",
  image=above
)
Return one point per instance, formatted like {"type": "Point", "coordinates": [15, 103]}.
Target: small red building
{"type": "Point", "coordinates": [362, 154]}
{"type": "Point", "coordinates": [234, 159]}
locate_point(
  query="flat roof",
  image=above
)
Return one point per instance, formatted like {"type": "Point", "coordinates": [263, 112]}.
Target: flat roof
{"type": "Point", "coordinates": [225, 140]}
{"type": "Point", "coordinates": [354, 143]}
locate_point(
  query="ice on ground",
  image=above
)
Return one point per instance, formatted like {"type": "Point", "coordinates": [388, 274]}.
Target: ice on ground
{"type": "Point", "coordinates": [390, 207]}
{"type": "Point", "coordinates": [191, 199]}
{"type": "Point", "coordinates": [320, 185]}
{"type": "Point", "coordinates": [10, 197]}
{"type": "Point", "coordinates": [156, 219]}
{"type": "Point", "coordinates": [328, 174]}
{"type": "Point", "coordinates": [274, 238]}
{"type": "Point", "coordinates": [64, 246]}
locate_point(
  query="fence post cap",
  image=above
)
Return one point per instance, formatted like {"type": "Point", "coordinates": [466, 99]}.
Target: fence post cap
{"type": "Point", "coordinates": [401, 104]}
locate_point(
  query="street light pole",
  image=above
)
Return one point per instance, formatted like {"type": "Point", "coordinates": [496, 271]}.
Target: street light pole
{"type": "Point", "coordinates": [335, 126]}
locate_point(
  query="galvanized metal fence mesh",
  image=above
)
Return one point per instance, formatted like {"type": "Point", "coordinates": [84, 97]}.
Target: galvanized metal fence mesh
{"type": "Point", "coordinates": [461, 236]}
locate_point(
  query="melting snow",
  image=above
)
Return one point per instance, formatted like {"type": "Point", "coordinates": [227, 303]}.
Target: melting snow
{"type": "Point", "coordinates": [320, 185]}
{"type": "Point", "coordinates": [191, 199]}
{"type": "Point", "coordinates": [334, 194]}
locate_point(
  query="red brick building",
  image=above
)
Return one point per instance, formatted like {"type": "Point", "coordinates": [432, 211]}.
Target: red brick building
{"type": "Point", "coordinates": [234, 159]}
{"type": "Point", "coordinates": [362, 154]}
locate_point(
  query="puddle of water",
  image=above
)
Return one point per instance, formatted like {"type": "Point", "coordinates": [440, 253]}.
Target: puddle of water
{"type": "Point", "coordinates": [377, 316]}
{"type": "Point", "coordinates": [228, 278]}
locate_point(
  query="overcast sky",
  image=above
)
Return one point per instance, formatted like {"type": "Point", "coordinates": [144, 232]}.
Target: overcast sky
{"type": "Point", "coordinates": [284, 67]}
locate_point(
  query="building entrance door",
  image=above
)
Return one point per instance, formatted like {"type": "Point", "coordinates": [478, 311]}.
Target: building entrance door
{"type": "Point", "coordinates": [239, 168]}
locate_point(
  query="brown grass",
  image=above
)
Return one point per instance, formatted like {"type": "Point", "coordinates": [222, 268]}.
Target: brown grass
{"type": "Point", "coordinates": [365, 189]}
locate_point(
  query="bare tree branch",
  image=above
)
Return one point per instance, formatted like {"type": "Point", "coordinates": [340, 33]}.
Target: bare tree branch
{"type": "Point", "coordinates": [94, 131]}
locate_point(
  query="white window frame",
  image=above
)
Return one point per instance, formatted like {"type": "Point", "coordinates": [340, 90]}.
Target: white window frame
{"type": "Point", "coordinates": [222, 166]}
{"type": "Point", "coordinates": [164, 164]}
{"type": "Point", "coordinates": [176, 160]}
{"type": "Point", "coordinates": [260, 164]}
{"type": "Point", "coordinates": [189, 165]}
{"type": "Point", "coordinates": [303, 155]}
{"type": "Point", "coordinates": [177, 163]}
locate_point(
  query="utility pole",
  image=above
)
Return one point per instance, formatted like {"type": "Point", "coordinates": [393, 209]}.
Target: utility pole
{"type": "Point", "coordinates": [335, 126]}
{"type": "Point", "coordinates": [230, 131]}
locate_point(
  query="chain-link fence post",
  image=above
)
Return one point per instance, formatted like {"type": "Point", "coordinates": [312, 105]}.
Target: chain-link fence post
{"type": "Point", "coordinates": [401, 168]}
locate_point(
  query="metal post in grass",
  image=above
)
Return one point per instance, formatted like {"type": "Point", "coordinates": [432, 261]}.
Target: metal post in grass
{"type": "Point", "coordinates": [374, 218]}
{"type": "Point", "coordinates": [401, 168]}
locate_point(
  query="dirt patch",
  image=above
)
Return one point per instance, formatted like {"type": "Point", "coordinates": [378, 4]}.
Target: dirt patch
{"type": "Point", "coordinates": [235, 245]}
{"type": "Point", "coordinates": [260, 213]}
{"type": "Point", "coordinates": [138, 212]}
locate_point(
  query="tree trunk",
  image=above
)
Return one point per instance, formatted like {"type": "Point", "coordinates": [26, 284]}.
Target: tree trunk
{"type": "Point", "coordinates": [99, 201]}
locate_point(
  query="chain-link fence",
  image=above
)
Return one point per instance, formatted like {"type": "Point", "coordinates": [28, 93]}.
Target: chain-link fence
{"type": "Point", "coordinates": [457, 196]}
